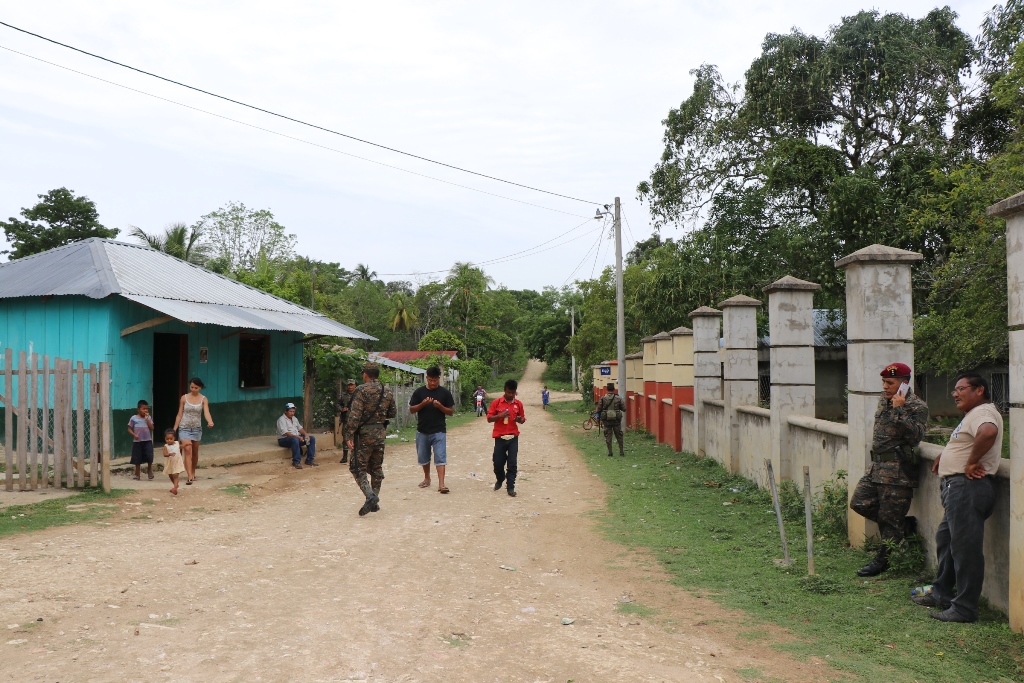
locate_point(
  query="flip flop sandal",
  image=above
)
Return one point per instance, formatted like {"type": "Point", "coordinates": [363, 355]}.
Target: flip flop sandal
{"type": "Point", "coordinates": [135, 477]}
{"type": "Point", "coordinates": [151, 476]}
{"type": "Point", "coordinates": [443, 489]}
{"type": "Point", "coordinates": [423, 484]}
{"type": "Point", "coordinates": [189, 482]}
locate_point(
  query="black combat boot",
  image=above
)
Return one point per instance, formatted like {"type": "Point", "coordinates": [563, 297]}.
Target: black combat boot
{"type": "Point", "coordinates": [344, 456]}
{"type": "Point", "coordinates": [376, 505]}
{"type": "Point", "coordinates": [876, 566]}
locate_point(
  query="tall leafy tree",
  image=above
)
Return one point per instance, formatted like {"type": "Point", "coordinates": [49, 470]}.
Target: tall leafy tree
{"type": "Point", "coordinates": [465, 287]}
{"type": "Point", "coordinates": [58, 218]}
{"type": "Point", "coordinates": [240, 236]}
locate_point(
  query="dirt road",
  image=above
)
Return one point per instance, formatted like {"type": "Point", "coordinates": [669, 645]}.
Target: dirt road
{"type": "Point", "coordinates": [289, 584]}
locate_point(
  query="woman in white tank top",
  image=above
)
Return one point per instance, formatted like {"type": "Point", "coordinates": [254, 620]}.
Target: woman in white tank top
{"type": "Point", "coordinates": [192, 408]}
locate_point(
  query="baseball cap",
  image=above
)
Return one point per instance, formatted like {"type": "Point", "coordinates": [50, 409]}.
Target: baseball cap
{"type": "Point", "coordinates": [289, 406]}
{"type": "Point", "coordinates": [349, 381]}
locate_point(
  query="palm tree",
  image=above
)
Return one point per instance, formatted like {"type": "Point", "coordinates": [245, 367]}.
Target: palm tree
{"type": "Point", "coordinates": [403, 314]}
{"type": "Point", "coordinates": [363, 272]}
{"type": "Point", "coordinates": [464, 286]}
{"type": "Point", "coordinates": [178, 240]}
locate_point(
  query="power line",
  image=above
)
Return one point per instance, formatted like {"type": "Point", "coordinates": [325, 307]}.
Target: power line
{"type": "Point", "coordinates": [582, 260]}
{"type": "Point", "coordinates": [600, 244]}
{"type": "Point", "coordinates": [294, 120]}
{"type": "Point", "coordinates": [285, 135]}
{"type": "Point", "coordinates": [515, 256]}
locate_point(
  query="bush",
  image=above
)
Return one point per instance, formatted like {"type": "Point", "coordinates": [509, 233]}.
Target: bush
{"type": "Point", "coordinates": [830, 509]}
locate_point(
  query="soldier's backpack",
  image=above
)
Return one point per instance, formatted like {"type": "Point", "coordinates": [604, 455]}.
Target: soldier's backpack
{"type": "Point", "coordinates": [609, 414]}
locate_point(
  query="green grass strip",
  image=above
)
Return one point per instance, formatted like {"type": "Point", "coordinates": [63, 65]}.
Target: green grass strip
{"type": "Point", "coordinates": [89, 506]}
{"type": "Point", "coordinates": [716, 534]}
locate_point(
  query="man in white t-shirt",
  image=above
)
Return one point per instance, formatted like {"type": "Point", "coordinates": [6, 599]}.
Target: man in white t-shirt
{"type": "Point", "coordinates": [965, 468]}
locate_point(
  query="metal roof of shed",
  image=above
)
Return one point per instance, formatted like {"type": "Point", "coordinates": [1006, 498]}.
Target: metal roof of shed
{"type": "Point", "coordinates": [98, 268]}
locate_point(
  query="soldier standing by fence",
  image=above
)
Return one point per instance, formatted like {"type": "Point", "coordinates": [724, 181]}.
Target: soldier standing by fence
{"type": "Point", "coordinates": [883, 495]}
{"type": "Point", "coordinates": [372, 407]}
{"type": "Point", "coordinates": [611, 408]}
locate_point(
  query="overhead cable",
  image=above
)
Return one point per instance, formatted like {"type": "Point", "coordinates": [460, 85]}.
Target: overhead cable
{"type": "Point", "coordinates": [285, 135]}
{"type": "Point", "coordinates": [295, 120]}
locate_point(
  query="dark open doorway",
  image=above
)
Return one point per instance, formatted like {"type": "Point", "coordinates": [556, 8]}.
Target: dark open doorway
{"type": "Point", "coordinates": [170, 379]}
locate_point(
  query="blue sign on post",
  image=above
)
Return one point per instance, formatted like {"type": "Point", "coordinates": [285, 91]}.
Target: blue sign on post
{"type": "Point", "coordinates": [605, 370]}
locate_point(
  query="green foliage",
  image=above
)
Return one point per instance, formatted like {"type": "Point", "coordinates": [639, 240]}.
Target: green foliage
{"type": "Point", "coordinates": [830, 510]}
{"type": "Point", "coordinates": [442, 340]}
{"type": "Point", "coordinates": [791, 501]}
{"type": "Point", "coordinates": [178, 240]}
{"type": "Point", "coordinates": [331, 369]}
{"type": "Point", "coordinates": [58, 218]}
{"type": "Point", "coordinates": [240, 236]}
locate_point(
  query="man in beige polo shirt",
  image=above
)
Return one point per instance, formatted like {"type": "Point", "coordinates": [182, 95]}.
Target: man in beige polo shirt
{"type": "Point", "coordinates": [965, 468]}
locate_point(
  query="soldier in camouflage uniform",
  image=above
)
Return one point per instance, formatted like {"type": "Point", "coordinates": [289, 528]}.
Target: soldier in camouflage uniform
{"type": "Point", "coordinates": [344, 406]}
{"type": "Point", "coordinates": [883, 495]}
{"type": "Point", "coordinates": [612, 425]}
{"type": "Point", "coordinates": [372, 406]}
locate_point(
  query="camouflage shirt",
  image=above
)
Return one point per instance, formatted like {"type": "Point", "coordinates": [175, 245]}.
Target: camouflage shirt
{"type": "Point", "coordinates": [364, 409]}
{"type": "Point", "coordinates": [344, 401]}
{"type": "Point", "coordinates": [610, 402]}
{"type": "Point", "coordinates": [902, 428]}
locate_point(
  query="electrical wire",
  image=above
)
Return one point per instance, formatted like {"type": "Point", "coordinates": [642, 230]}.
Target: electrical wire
{"type": "Point", "coordinates": [289, 137]}
{"type": "Point", "coordinates": [583, 260]}
{"type": "Point", "coordinates": [600, 244]}
{"type": "Point", "coordinates": [515, 256]}
{"type": "Point", "coordinates": [294, 120]}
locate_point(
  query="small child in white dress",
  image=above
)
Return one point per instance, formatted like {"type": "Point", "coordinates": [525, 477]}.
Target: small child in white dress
{"type": "Point", "coordinates": [173, 464]}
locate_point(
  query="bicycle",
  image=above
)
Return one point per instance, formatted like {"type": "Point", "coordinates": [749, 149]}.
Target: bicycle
{"type": "Point", "coordinates": [592, 421]}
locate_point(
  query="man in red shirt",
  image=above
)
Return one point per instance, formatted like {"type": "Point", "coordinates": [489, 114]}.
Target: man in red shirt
{"type": "Point", "coordinates": [506, 413]}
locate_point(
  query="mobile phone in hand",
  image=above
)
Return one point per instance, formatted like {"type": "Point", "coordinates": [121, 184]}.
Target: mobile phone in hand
{"type": "Point", "coordinates": [904, 388]}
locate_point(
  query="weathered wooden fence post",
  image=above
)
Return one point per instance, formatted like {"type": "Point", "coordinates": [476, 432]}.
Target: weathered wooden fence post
{"type": "Point", "coordinates": [880, 330]}
{"type": "Point", "coordinates": [1012, 209]}
{"type": "Point", "coordinates": [791, 330]}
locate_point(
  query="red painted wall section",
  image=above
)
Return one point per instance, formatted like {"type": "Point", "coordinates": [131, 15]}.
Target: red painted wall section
{"type": "Point", "coordinates": [670, 425]}
{"type": "Point", "coordinates": [630, 410]}
{"type": "Point", "coordinates": [651, 412]}
{"type": "Point", "coordinates": [663, 390]}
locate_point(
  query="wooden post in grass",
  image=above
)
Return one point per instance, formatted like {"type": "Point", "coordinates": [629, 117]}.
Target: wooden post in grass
{"type": "Point", "coordinates": [785, 561]}
{"type": "Point", "coordinates": [807, 514]}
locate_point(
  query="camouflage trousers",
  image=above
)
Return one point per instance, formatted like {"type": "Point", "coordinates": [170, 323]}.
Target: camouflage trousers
{"type": "Point", "coordinates": [368, 459]}
{"type": "Point", "coordinates": [884, 504]}
{"type": "Point", "coordinates": [615, 429]}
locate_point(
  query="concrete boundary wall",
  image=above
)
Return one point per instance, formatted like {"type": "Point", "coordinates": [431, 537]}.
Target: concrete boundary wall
{"type": "Point", "coordinates": [724, 424]}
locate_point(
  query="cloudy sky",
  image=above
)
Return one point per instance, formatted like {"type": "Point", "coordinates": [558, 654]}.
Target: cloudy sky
{"type": "Point", "coordinates": [563, 96]}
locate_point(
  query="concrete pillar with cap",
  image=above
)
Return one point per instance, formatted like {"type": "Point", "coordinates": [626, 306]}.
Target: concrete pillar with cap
{"type": "Point", "coordinates": [880, 331]}
{"type": "Point", "coordinates": [739, 362]}
{"type": "Point", "coordinates": [707, 368]}
{"type": "Point", "coordinates": [791, 331]}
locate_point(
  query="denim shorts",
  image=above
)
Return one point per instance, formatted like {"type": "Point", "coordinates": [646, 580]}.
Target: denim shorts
{"type": "Point", "coordinates": [190, 434]}
{"type": "Point", "coordinates": [424, 442]}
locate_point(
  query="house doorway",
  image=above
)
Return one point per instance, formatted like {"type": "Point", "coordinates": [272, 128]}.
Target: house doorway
{"type": "Point", "coordinates": [170, 379]}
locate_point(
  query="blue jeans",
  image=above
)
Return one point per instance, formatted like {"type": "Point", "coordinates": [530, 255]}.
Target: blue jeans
{"type": "Point", "coordinates": [506, 453]}
{"type": "Point", "coordinates": [437, 442]}
{"type": "Point", "coordinates": [296, 445]}
{"type": "Point", "coordinates": [960, 540]}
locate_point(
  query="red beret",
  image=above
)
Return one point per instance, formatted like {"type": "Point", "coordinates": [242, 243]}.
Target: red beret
{"type": "Point", "coordinates": [896, 370]}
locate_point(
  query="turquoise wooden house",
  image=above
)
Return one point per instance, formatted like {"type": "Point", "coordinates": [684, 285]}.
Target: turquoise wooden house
{"type": "Point", "coordinates": [160, 321]}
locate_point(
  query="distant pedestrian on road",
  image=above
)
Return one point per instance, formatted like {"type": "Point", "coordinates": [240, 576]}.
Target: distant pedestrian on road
{"type": "Point", "coordinates": [545, 396]}
{"type": "Point", "coordinates": [344, 407]}
{"type": "Point", "coordinates": [611, 409]}
{"type": "Point", "coordinates": [432, 404]}
{"type": "Point", "coordinates": [290, 434]}
{"type": "Point", "coordinates": [506, 413]}
{"type": "Point", "coordinates": [140, 426]}
{"type": "Point", "coordinates": [372, 407]}
{"type": "Point", "coordinates": [884, 493]}
{"type": "Point", "coordinates": [966, 468]}
{"type": "Point", "coordinates": [192, 407]}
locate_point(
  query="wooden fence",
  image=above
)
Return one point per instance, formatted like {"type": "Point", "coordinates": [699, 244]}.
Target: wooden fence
{"type": "Point", "coordinates": [56, 424]}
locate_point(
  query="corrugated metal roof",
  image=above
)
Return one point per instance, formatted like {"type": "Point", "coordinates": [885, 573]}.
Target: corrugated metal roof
{"type": "Point", "coordinates": [98, 268]}
{"type": "Point", "coordinates": [388, 363]}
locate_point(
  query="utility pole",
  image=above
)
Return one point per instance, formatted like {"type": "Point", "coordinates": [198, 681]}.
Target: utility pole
{"type": "Point", "coordinates": [572, 333]}
{"type": "Point", "coordinates": [620, 310]}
